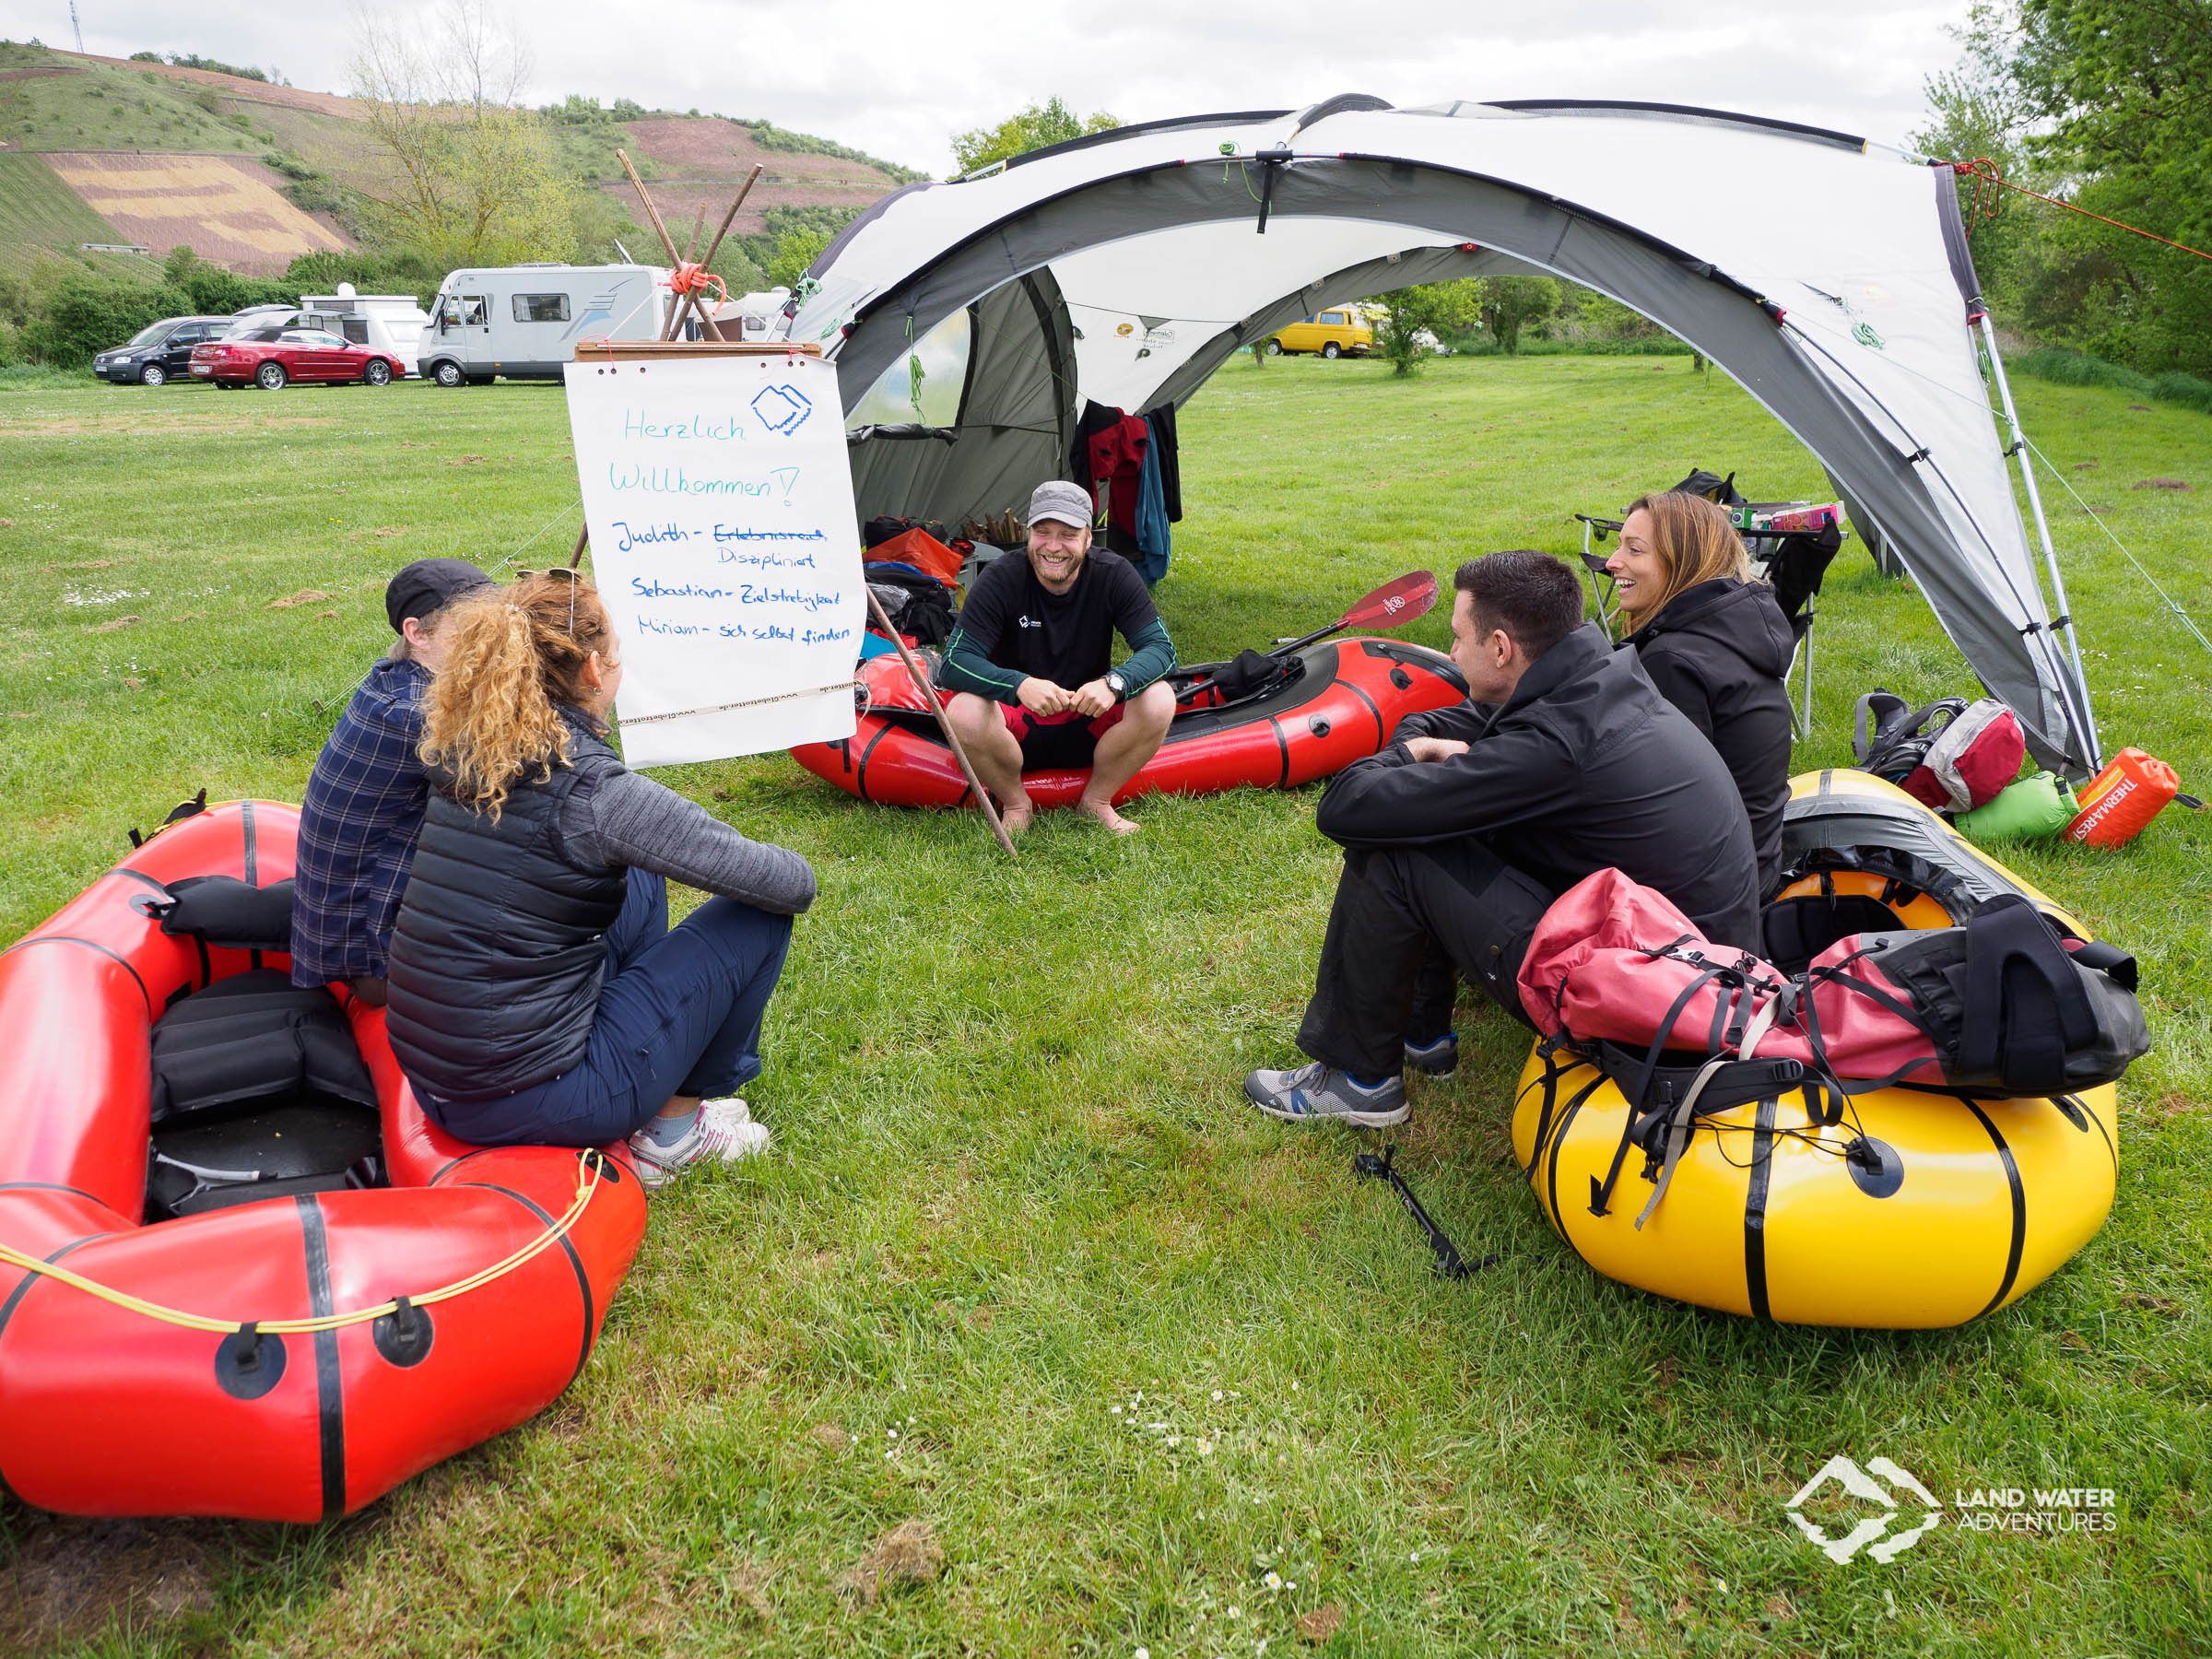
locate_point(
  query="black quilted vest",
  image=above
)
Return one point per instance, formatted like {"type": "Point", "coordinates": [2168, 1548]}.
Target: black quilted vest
{"type": "Point", "coordinates": [500, 942]}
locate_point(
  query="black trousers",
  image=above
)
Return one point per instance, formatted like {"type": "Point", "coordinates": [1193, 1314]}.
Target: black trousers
{"type": "Point", "coordinates": [1407, 922]}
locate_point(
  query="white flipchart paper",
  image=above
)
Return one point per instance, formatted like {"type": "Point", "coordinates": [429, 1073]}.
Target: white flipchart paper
{"type": "Point", "coordinates": [720, 505]}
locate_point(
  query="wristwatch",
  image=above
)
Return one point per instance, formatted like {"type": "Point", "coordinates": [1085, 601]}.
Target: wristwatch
{"type": "Point", "coordinates": [1116, 683]}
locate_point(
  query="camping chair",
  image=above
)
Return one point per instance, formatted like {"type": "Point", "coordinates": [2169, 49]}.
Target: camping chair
{"type": "Point", "coordinates": [1791, 545]}
{"type": "Point", "coordinates": [1794, 564]}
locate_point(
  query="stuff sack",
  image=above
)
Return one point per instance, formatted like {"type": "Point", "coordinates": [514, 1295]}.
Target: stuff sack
{"type": "Point", "coordinates": [1951, 755]}
{"type": "Point", "coordinates": [2002, 1004]}
{"type": "Point", "coordinates": [918, 550]}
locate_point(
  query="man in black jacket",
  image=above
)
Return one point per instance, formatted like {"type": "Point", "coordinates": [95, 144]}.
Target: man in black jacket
{"type": "Point", "coordinates": [1565, 760]}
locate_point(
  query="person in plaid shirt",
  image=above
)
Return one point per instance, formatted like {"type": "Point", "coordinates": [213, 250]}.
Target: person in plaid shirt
{"type": "Point", "coordinates": [366, 796]}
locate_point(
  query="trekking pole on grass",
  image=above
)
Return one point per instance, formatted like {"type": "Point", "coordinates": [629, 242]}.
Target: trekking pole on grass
{"type": "Point", "coordinates": [929, 694]}
{"type": "Point", "coordinates": [1395, 602]}
{"type": "Point", "coordinates": [1448, 1263]}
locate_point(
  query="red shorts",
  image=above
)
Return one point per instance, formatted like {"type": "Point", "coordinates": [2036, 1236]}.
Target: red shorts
{"type": "Point", "coordinates": [1058, 742]}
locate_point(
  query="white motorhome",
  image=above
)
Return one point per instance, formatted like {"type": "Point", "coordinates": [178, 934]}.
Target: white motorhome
{"type": "Point", "coordinates": [524, 322]}
{"type": "Point", "coordinates": [391, 322]}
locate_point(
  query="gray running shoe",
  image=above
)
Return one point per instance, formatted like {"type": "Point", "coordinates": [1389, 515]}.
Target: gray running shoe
{"type": "Point", "coordinates": [1438, 1059]}
{"type": "Point", "coordinates": [1318, 1092]}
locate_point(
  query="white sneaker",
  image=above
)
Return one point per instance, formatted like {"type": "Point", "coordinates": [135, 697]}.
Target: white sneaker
{"type": "Point", "coordinates": [725, 1133]}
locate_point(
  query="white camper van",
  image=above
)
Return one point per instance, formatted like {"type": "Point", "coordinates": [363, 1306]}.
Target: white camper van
{"type": "Point", "coordinates": [524, 321]}
{"type": "Point", "coordinates": [389, 322]}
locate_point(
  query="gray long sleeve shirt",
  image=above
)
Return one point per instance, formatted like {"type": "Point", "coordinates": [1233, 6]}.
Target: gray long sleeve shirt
{"type": "Point", "coordinates": [633, 821]}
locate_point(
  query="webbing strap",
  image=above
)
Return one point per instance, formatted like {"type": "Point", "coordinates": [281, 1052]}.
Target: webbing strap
{"type": "Point", "coordinates": [2024, 1003]}
{"type": "Point", "coordinates": [1677, 1138]}
{"type": "Point", "coordinates": [1601, 1192]}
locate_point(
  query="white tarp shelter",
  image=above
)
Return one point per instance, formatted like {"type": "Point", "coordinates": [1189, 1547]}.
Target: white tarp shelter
{"type": "Point", "coordinates": [970, 320]}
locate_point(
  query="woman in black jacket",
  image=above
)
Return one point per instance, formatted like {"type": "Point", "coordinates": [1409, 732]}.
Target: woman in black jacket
{"type": "Point", "coordinates": [1715, 644]}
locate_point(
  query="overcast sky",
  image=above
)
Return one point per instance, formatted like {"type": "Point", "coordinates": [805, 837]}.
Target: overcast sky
{"type": "Point", "coordinates": [897, 79]}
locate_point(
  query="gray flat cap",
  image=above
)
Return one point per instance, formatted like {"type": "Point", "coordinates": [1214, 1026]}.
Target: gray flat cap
{"type": "Point", "coordinates": [1065, 503]}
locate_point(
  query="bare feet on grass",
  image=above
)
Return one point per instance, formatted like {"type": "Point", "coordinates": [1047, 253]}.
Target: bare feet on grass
{"type": "Point", "coordinates": [1015, 814]}
{"type": "Point", "coordinates": [1103, 811]}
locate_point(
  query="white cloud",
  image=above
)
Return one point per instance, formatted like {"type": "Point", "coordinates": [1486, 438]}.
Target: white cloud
{"type": "Point", "coordinates": [898, 79]}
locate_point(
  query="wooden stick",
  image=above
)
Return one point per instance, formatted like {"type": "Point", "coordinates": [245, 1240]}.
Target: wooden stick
{"type": "Point", "coordinates": [684, 305]}
{"type": "Point", "coordinates": [952, 737]}
{"type": "Point", "coordinates": [698, 229]}
{"type": "Point", "coordinates": [583, 538]}
{"type": "Point", "coordinates": [651, 212]}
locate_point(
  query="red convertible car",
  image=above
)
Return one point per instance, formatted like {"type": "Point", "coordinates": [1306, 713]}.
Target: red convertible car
{"type": "Point", "coordinates": [270, 357]}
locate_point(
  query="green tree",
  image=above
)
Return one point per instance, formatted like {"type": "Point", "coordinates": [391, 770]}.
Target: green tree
{"type": "Point", "coordinates": [1510, 303]}
{"type": "Point", "coordinates": [469, 178]}
{"type": "Point", "coordinates": [795, 250]}
{"type": "Point", "coordinates": [1034, 128]}
{"type": "Point", "coordinates": [2108, 107]}
{"type": "Point", "coordinates": [1415, 319]}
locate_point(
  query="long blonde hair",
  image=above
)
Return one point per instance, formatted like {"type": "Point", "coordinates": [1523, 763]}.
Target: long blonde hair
{"type": "Point", "coordinates": [1694, 541]}
{"type": "Point", "coordinates": [512, 654]}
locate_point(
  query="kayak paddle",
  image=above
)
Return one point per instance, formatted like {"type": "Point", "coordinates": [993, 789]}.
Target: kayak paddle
{"type": "Point", "coordinates": [1389, 605]}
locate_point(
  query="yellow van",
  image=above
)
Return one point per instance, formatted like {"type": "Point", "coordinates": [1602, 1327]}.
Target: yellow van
{"type": "Point", "coordinates": [1339, 333]}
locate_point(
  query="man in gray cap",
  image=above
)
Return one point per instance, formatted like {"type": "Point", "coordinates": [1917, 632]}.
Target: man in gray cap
{"type": "Point", "coordinates": [1032, 672]}
{"type": "Point", "coordinates": [365, 798]}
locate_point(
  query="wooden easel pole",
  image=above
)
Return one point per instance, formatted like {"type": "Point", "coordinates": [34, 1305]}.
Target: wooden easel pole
{"type": "Point", "coordinates": [583, 538]}
{"type": "Point", "coordinates": [983, 795]}
{"type": "Point", "coordinates": [683, 309]}
{"type": "Point", "coordinates": [651, 212]}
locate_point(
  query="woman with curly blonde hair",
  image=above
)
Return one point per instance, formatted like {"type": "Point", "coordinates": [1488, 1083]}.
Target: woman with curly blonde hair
{"type": "Point", "coordinates": [1715, 644]}
{"type": "Point", "coordinates": [536, 993]}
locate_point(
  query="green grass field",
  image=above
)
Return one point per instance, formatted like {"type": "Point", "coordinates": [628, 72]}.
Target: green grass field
{"type": "Point", "coordinates": [1160, 1376]}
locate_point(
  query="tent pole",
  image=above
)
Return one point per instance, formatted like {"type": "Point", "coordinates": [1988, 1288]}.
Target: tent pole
{"type": "Point", "coordinates": [2042, 529]}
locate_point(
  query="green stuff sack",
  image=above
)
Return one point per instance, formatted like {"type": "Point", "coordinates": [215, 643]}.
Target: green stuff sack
{"type": "Point", "coordinates": [2036, 808]}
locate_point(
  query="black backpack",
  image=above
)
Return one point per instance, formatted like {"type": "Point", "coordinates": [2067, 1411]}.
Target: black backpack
{"type": "Point", "coordinates": [1890, 737]}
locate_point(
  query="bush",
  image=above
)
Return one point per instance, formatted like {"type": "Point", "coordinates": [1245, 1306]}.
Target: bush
{"type": "Point", "coordinates": [386, 272]}
{"type": "Point", "coordinates": [189, 60]}
{"type": "Point", "coordinates": [87, 314]}
{"type": "Point", "coordinates": [1659, 344]}
{"type": "Point", "coordinates": [767, 136]}
{"type": "Point", "coordinates": [2185, 389]}
{"type": "Point", "coordinates": [2065, 368]}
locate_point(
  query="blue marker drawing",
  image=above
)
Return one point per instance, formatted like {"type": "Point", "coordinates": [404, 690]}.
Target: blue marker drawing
{"type": "Point", "coordinates": [782, 408]}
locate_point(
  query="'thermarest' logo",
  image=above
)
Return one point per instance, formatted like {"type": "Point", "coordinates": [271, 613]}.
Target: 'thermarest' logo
{"type": "Point", "coordinates": [1873, 1533]}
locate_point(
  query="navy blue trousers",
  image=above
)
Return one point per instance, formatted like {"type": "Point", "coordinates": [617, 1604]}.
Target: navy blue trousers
{"type": "Point", "coordinates": [679, 1013]}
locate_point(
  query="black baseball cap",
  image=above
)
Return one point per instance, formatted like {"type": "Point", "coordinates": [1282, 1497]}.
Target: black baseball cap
{"type": "Point", "coordinates": [429, 584]}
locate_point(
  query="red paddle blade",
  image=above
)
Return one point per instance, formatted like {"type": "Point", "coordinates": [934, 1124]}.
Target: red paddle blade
{"type": "Point", "coordinates": [1412, 595]}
